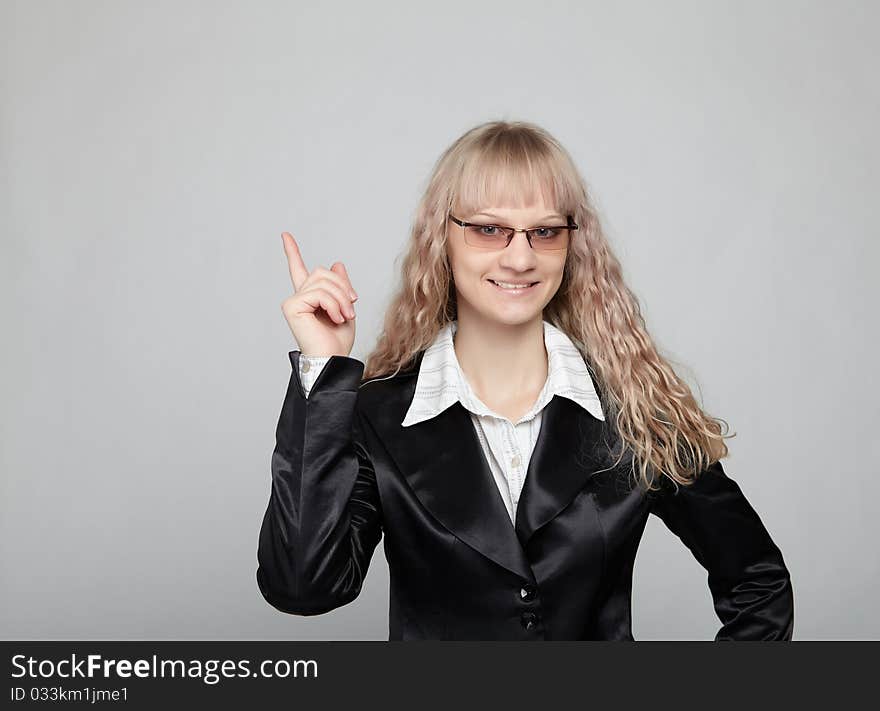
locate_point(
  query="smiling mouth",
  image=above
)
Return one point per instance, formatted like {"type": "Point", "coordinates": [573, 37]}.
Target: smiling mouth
{"type": "Point", "coordinates": [511, 286]}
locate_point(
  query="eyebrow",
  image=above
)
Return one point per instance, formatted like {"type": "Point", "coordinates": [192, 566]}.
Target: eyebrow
{"type": "Point", "coordinates": [552, 216]}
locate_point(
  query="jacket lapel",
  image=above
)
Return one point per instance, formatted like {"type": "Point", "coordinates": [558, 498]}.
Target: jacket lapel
{"type": "Point", "coordinates": [444, 465]}
{"type": "Point", "coordinates": [571, 448]}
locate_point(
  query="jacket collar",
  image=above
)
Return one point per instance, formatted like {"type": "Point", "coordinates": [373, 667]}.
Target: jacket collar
{"type": "Point", "coordinates": [443, 463]}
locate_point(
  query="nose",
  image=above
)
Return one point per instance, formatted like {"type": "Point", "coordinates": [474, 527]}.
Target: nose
{"type": "Point", "coordinates": [518, 255]}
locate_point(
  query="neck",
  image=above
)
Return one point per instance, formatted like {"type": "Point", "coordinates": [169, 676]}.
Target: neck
{"type": "Point", "coordinates": [501, 361]}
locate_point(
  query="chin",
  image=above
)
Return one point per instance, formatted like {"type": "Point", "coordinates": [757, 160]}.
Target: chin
{"type": "Point", "coordinates": [513, 317]}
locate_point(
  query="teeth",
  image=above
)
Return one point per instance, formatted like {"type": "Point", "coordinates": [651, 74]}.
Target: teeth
{"type": "Point", "coordinates": [506, 285]}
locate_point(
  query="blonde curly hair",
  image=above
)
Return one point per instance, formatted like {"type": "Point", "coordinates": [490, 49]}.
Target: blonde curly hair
{"type": "Point", "coordinates": [510, 163]}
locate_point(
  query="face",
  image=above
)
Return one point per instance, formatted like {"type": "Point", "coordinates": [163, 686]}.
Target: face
{"type": "Point", "coordinates": [475, 270]}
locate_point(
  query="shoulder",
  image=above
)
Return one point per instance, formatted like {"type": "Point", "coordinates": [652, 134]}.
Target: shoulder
{"type": "Point", "coordinates": [391, 390]}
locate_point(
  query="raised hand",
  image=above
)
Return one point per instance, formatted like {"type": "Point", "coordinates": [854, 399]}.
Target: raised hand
{"type": "Point", "coordinates": [320, 313]}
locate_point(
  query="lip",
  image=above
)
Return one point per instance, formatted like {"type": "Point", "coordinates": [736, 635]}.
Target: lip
{"type": "Point", "coordinates": [514, 292]}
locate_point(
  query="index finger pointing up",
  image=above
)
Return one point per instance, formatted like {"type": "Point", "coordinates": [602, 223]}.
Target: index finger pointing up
{"type": "Point", "coordinates": [298, 271]}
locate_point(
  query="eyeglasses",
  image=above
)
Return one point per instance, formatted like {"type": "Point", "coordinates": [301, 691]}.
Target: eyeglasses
{"type": "Point", "coordinates": [488, 236]}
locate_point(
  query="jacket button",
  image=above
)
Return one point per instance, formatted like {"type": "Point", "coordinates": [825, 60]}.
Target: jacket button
{"type": "Point", "coordinates": [527, 593]}
{"type": "Point", "coordinates": [528, 620]}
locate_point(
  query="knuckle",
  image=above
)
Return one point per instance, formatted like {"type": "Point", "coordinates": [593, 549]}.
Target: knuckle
{"type": "Point", "coordinates": [329, 285]}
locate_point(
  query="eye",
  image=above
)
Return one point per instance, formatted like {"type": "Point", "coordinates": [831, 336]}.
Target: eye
{"type": "Point", "coordinates": [488, 230]}
{"type": "Point", "coordinates": [545, 232]}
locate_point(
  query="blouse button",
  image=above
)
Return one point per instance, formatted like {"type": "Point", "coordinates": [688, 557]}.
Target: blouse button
{"type": "Point", "coordinates": [514, 462]}
{"type": "Point", "coordinates": [306, 366]}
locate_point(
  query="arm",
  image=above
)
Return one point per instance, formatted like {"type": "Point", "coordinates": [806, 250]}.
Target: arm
{"type": "Point", "coordinates": [323, 520]}
{"type": "Point", "coordinates": [750, 585]}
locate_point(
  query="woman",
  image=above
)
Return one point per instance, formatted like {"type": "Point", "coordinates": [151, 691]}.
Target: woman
{"type": "Point", "coordinates": [511, 431]}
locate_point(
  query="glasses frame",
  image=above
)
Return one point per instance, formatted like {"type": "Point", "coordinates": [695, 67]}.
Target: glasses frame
{"type": "Point", "coordinates": [511, 231]}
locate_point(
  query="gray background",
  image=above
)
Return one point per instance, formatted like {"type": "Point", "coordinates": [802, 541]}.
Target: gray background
{"type": "Point", "coordinates": [153, 152]}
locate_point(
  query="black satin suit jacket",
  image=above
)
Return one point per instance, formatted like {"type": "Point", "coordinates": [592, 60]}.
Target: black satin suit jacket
{"type": "Point", "coordinates": [344, 472]}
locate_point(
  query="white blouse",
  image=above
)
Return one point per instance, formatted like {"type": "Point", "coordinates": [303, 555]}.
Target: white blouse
{"type": "Point", "coordinates": [507, 445]}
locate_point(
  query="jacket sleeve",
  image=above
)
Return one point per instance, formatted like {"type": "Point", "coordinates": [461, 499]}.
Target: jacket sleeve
{"type": "Point", "coordinates": [750, 584]}
{"type": "Point", "coordinates": [324, 519]}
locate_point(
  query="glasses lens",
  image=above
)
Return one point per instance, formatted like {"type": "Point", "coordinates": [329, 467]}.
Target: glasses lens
{"type": "Point", "coordinates": [486, 236]}
{"type": "Point", "coordinates": [549, 237]}
{"type": "Point", "coordinates": [494, 237]}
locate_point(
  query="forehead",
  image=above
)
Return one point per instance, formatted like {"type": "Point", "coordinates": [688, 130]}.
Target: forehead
{"type": "Point", "coordinates": [514, 193]}
{"type": "Point", "coordinates": [515, 216]}
{"type": "Point", "coordinates": [529, 208]}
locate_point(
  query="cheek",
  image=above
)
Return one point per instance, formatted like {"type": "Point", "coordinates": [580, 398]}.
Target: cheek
{"type": "Point", "coordinates": [466, 266]}
{"type": "Point", "coordinates": [557, 279]}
